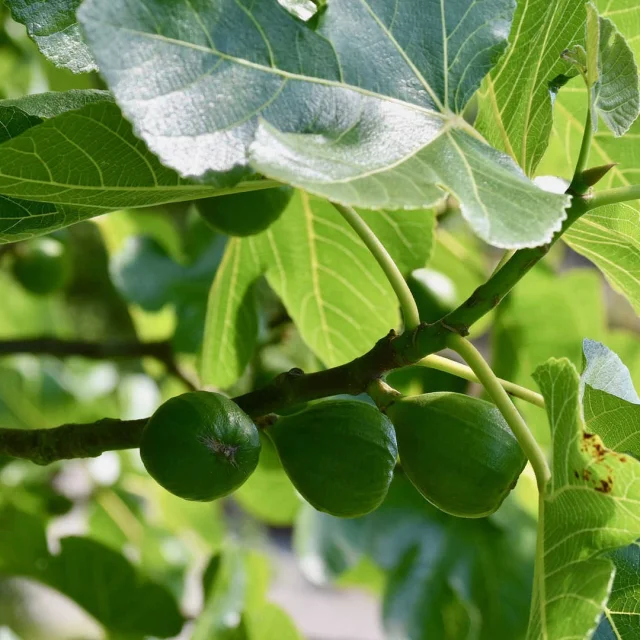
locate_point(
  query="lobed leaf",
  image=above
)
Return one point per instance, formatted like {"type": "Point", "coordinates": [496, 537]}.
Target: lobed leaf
{"type": "Point", "coordinates": [590, 506]}
{"type": "Point", "coordinates": [67, 157]}
{"type": "Point", "coordinates": [120, 598]}
{"type": "Point", "coordinates": [612, 410]}
{"type": "Point", "coordinates": [516, 98]}
{"type": "Point", "coordinates": [608, 236]}
{"type": "Point", "coordinates": [360, 105]}
{"type": "Point", "coordinates": [615, 93]}
{"type": "Point", "coordinates": [53, 27]}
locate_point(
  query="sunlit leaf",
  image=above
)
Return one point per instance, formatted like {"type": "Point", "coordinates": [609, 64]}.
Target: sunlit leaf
{"type": "Point", "coordinates": [53, 27]}
{"type": "Point", "coordinates": [305, 256]}
{"type": "Point", "coordinates": [360, 106]}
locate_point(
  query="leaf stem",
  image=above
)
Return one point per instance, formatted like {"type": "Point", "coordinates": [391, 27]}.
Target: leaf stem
{"type": "Point", "coordinates": [462, 371]}
{"type": "Point", "coordinates": [377, 249]}
{"type": "Point", "coordinates": [613, 196]}
{"type": "Point", "coordinates": [162, 351]}
{"type": "Point", "coordinates": [577, 185]}
{"type": "Point", "coordinates": [515, 421]}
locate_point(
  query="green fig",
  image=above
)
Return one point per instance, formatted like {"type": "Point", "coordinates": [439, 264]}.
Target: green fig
{"type": "Point", "coordinates": [458, 451]}
{"type": "Point", "coordinates": [339, 455]}
{"type": "Point", "coordinates": [42, 266]}
{"type": "Point", "coordinates": [245, 214]}
{"type": "Point", "coordinates": [200, 446]}
{"type": "Point", "coordinates": [434, 293]}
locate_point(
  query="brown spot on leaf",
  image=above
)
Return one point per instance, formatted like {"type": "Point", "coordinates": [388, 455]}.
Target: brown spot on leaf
{"type": "Point", "coordinates": [605, 486]}
{"type": "Point", "coordinates": [576, 474]}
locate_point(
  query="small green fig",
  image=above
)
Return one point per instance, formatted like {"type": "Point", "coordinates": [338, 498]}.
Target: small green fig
{"type": "Point", "coordinates": [457, 451]}
{"type": "Point", "coordinates": [434, 293]}
{"type": "Point", "coordinates": [245, 214]}
{"type": "Point", "coordinates": [339, 455]}
{"type": "Point", "coordinates": [200, 446]}
{"type": "Point", "coordinates": [42, 266]}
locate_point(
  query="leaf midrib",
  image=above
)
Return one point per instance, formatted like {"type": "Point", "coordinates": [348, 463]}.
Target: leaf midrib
{"type": "Point", "coordinates": [280, 72]}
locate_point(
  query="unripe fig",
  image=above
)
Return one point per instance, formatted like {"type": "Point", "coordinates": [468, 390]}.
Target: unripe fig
{"type": "Point", "coordinates": [458, 451]}
{"type": "Point", "coordinates": [42, 266]}
{"type": "Point", "coordinates": [200, 446]}
{"type": "Point", "coordinates": [339, 454]}
{"type": "Point", "coordinates": [245, 214]}
{"type": "Point", "coordinates": [434, 293]}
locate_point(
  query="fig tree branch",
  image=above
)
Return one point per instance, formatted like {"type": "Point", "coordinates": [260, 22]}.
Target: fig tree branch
{"type": "Point", "coordinates": [46, 345]}
{"type": "Point", "coordinates": [294, 387]}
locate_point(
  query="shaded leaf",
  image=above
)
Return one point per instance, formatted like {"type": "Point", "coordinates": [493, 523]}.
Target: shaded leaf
{"type": "Point", "coordinates": [306, 103]}
{"type": "Point", "coordinates": [608, 236]}
{"type": "Point", "coordinates": [118, 597]}
{"type": "Point", "coordinates": [438, 584]}
{"type": "Point", "coordinates": [590, 506]}
{"type": "Point", "coordinates": [615, 92]}
{"type": "Point", "coordinates": [621, 620]}
{"type": "Point", "coordinates": [612, 410]}
{"type": "Point", "coordinates": [53, 27]}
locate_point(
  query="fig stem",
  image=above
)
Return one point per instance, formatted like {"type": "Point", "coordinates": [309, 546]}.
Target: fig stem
{"type": "Point", "coordinates": [462, 371]}
{"type": "Point", "coordinates": [490, 382]}
{"type": "Point", "coordinates": [382, 394]}
{"type": "Point", "coordinates": [394, 276]}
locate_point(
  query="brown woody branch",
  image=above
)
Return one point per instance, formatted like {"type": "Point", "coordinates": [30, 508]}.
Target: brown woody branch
{"type": "Point", "coordinates": [393, 351]}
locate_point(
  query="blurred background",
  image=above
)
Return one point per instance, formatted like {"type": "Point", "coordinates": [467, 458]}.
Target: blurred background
{"type": "Point", "coordinates": [89, 545]}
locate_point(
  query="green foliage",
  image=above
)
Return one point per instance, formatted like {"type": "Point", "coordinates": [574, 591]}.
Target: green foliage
{"type": "Point", "coordinates": [394, 119]}
{"type": "Point", "coordinates": [53, 27]}
{"type": "Point", "coordinates": [122, 600]}
{"type": "Point", "coordinates": [339, 454]}
{"type": "Point", "coordinates": [436, 578]}
{"type": "Point", "coordinates": [613, 76]}
{"type": "Point", "coordinates": [245, 214]}
{"type": "Point", "coordinates": [219, 137]}
{"type": "Point", "coordinates": [458, 451]}
{"type": "Point", "coordinates": [588, 507]}
{"type": "Point", "coordinates": [515, 104]}
{"type": "Point", "coordinates": [200, 446]}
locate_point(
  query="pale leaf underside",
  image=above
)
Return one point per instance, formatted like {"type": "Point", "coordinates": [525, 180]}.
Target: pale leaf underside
{"type": "Point", "coordinates": [360, 109]}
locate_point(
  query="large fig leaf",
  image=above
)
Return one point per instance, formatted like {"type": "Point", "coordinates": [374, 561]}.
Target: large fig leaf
{"type": "Point", "coordinates": [361, 104]}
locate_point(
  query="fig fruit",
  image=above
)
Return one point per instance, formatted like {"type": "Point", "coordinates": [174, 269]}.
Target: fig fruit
{"type": "Point", "coordinates": [457, 451]}
{"type": "Point", "coordinates": [339, 455]}
{"type": "Point", "coordinates": [200, 446]}
{"type": "Point", "coordinates": [245, 214]}
{"type": "Point", "coordinates": [42, 266]}
{"type": "Point", "coordinates": [434, 293]}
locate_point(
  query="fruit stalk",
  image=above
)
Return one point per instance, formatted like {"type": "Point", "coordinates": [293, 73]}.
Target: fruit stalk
{"type": "Point", "coordinates": [461, 371]}
{"type": "Point", "coordinates": [490, 382]}
{"type": "Point", "coordinates": [396, 280]}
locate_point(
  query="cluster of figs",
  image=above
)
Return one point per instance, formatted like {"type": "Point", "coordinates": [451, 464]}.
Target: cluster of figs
{"type": "Point", "coordinates": [340, 454]}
